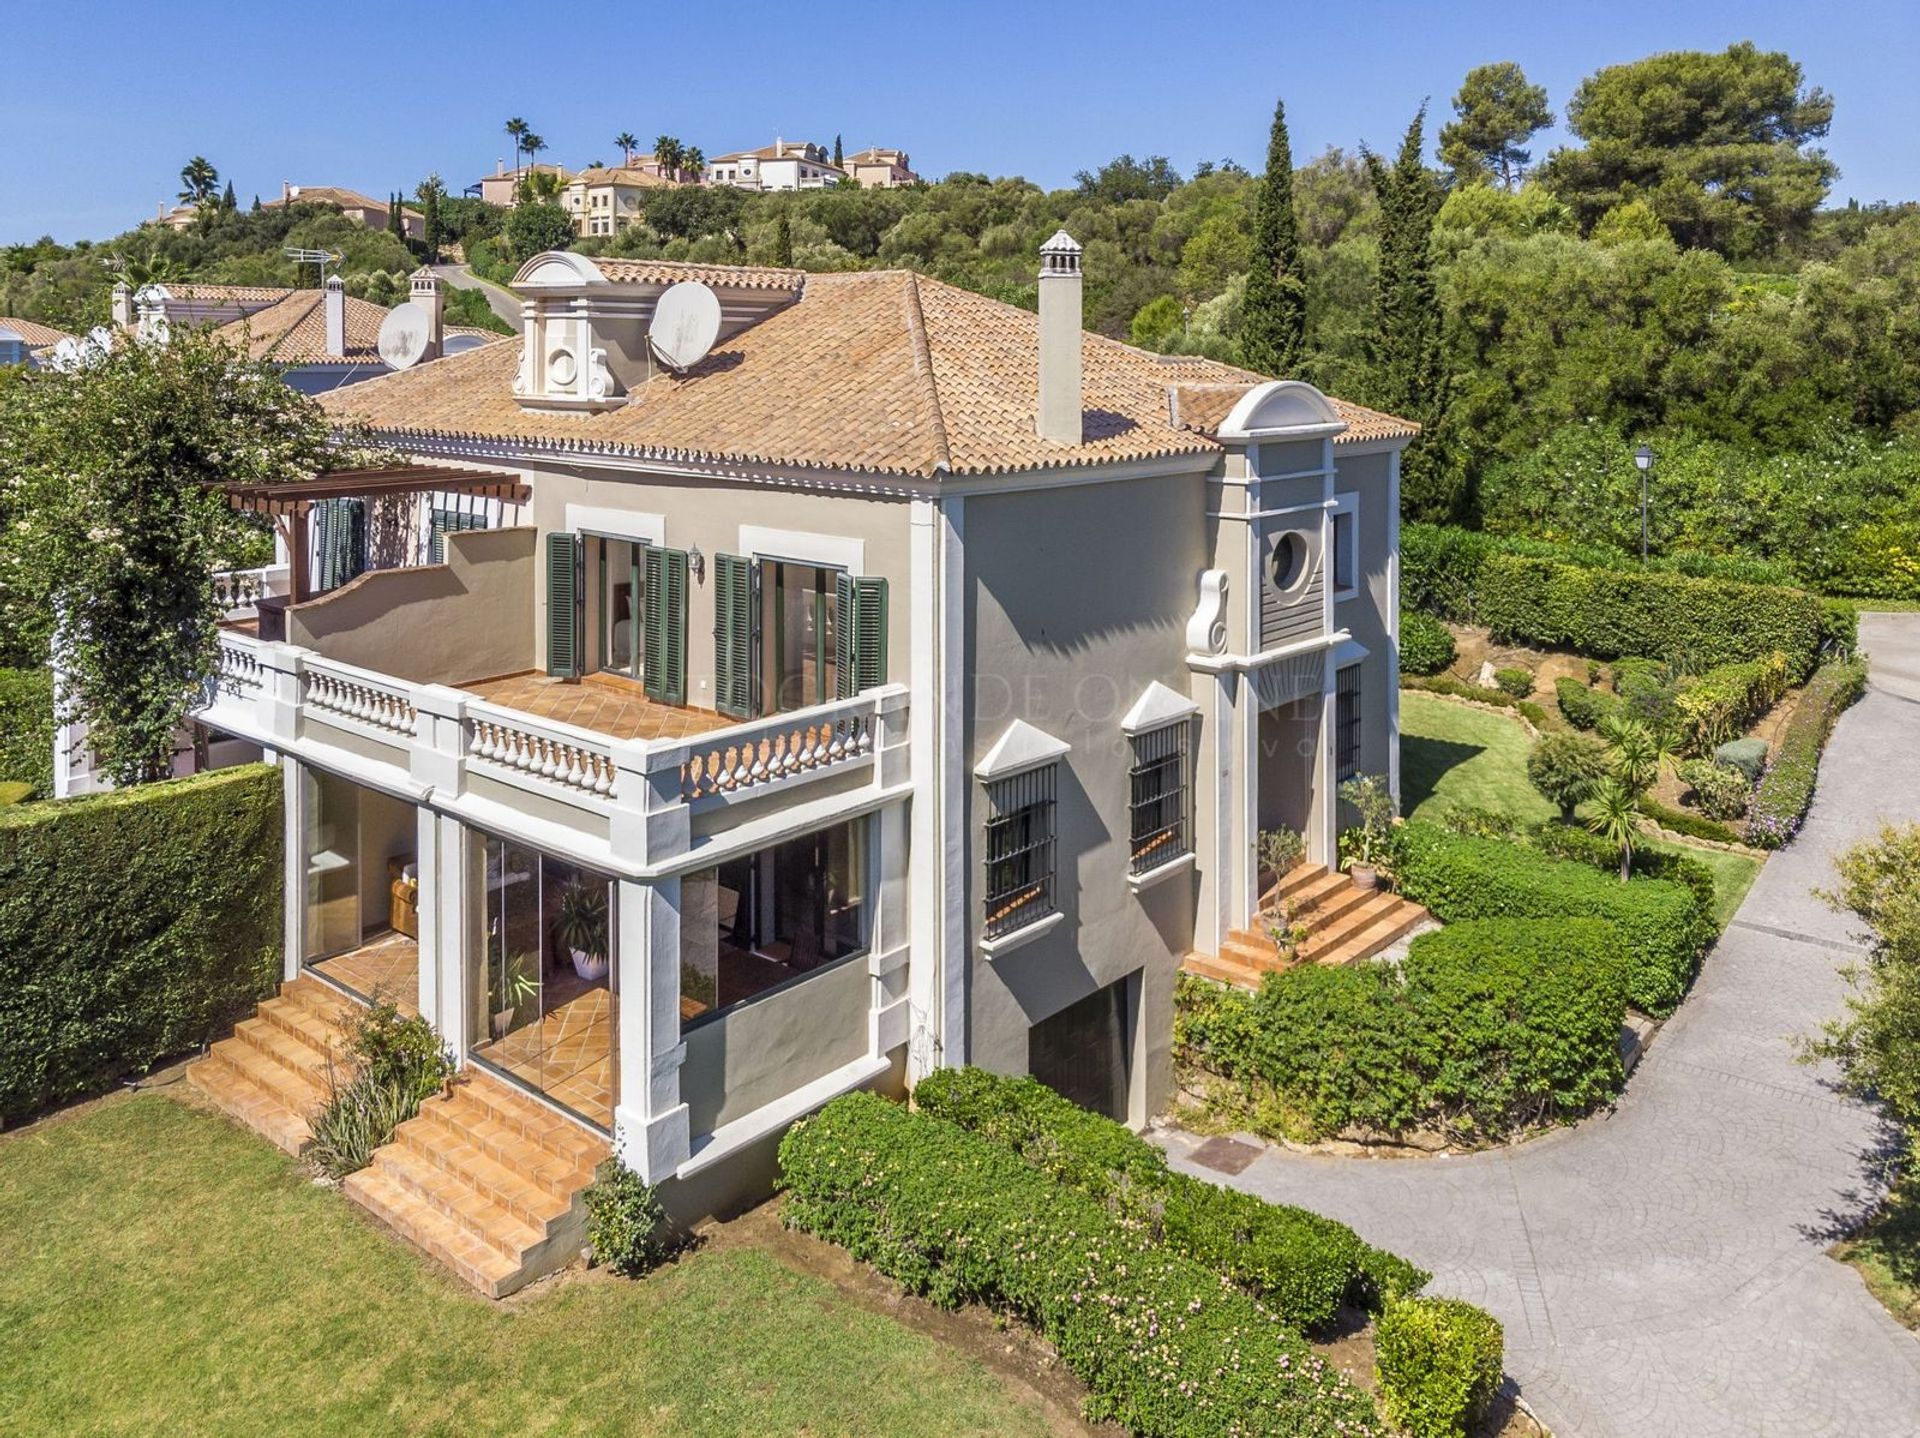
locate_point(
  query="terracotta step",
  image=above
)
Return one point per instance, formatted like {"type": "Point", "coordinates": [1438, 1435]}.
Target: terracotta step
{"type": "Point", "coordinates": [452, 1125]}
{"type": "Point", "coordinates": [439, 1237]}
{"type": "Point", "coordinates": [323, 1001]}
{"type": "Point", "coordinates": [290, 1051]}
{"type": "Point", "coordinates": [1308, 888]}
{"type": "Point", "coordinates": [518, 1193]}
{"type": "Point", "coordinates": [292, 1088]}
{"type": "Point", "coordinates": [458, 1200]}
{"type": "Point", "coordinates": [1390, 925]}
{"type": "Point", "coordinates": [246, 1102]}
{"type": "Point", "coordinates": [528, 1117]}
{"type": "Point", "coordinates": [1340, 900]}
{"type": "Point", "coordinates": [302, 1023]}
{"type": "Point", "coordinates": [1222, 970]}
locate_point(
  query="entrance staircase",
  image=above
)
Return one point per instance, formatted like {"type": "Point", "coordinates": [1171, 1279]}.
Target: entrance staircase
{"type": "Point", "coordinates": [485, 1179]}
{"type": "Point", "coordinates": [1346, 923]}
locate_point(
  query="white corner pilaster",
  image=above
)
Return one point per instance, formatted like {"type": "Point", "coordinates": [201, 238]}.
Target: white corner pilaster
{"type": "Point", "coordinates": [651, 1131]}
{"type": "Point", "coordinates": [293, 791]}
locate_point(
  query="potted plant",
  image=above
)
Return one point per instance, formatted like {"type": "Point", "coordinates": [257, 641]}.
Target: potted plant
{"type": "Point", "coordinates": [1279, 850]}
{"type": "Point", "coordinates": [582, 928]}
{"type": "Point", "coordinates": [516, 986]}
{"type": "Point", "coordinates": [1364, 848]}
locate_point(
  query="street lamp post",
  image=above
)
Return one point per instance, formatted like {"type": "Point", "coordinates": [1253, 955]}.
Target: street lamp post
{"type": "Point", "coordinates": [1643, 461]}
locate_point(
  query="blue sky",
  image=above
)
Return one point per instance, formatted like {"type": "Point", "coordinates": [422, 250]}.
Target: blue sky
{"type": "Point", "coordinates": [106, 100]}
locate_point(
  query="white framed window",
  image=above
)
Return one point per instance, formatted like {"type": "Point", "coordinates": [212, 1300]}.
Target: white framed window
{"type": "Point", "coordinates": [1020, 850]}
{"type": "Point", "coordinates": [1160, 806]}
{"type": "Point", "coordinates": [1347, 722]}
{"type": "Point", "coordinates": [1344, 538]}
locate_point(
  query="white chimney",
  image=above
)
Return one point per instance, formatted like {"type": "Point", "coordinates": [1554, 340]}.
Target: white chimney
{"type": "Point", "coordinates": [335, 305]}
{"type": "Point", "coordinates": [287, 192]}
{"type": "Point", "coordinates": [1060, 389]}
{"type": "Point", "coordinates": [779, 147]}
{"type": "Point", "coordinates": [122, 305]}
{"type": "Point", "coordinates": [425, 292]}
{"type": "Point", "coordinates": [499, 166]}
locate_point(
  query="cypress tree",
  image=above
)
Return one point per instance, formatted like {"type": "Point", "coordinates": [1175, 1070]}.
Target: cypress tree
{"type": "Point", "coordinates": [1406, 357]}
{"type": "Point", "coordinates": [782, 239]}
{"type": "Point", "coordinates": [1274, 331]}
{"type": "Point", "coordinates": [838, 163]}
{"type": "Point", "coordinates": [430, 211]}
{"type": "Point", "coordinates": [227, 201]}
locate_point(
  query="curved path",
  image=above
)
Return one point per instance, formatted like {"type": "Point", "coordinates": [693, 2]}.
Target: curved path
{"type": "Point", "coordinates": [1660, 1270]}
{"type": "Point", "coordinates": [502, 301]}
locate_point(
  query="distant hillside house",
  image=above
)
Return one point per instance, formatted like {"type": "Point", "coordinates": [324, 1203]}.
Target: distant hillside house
{"type": "Point", "coordinates": [23, 342]}
{"type": "Point", "coordinates": [502, 187]}
{"type": "Point", "coordinates": [369, 212]}
{"type": "Point", "coordinates": [324, 338]}
{"type": "Point", "coordinates": [881, 169]}
{"type": "Point", "coordinates": [783, 165]}
{"type": "Point", "coordinates": [605, 199]}
{"type": "Point", "coordinates": [177, 217]}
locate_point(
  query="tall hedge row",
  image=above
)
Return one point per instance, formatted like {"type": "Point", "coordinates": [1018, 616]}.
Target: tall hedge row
{"type": "Point", "coordinates": [1608, 613]}
{"type": "Point", "coordinates": [1164, 1347]}
{"type": "Point", "coordinates": [133, 926]}
{"type": "Point", "coordinates": [1300, 1264]}
{"type": "Point", "coordinates": [1785, 790]}
{"type": "Point", "coordinates": [1459, 877]}
{"type": "Point", "coordinates": [26, 729]}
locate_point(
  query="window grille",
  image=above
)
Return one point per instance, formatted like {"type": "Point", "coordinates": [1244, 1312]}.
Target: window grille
{"type": "Point", "coordinates": [1346, 721]}
{"type": "Point", "coordinates": [1162, 829]}
{"type": "Point", "coordinates": [1020, 849]}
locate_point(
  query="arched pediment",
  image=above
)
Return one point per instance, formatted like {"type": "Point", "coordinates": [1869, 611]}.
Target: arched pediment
{"type": "Point", "coordinates": [557, 270]}
{"type": "Point", "coordinates": [1282, 408]}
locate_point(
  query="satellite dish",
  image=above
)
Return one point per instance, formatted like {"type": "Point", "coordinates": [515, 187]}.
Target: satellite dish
{"type": "Point", "coordinates": [686, 322]}
{"type": "Point", "coordinates": [403, 336]}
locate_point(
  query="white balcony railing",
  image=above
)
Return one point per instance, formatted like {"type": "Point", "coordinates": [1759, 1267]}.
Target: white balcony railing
{"type": "Point", "coordinates": [638, 798]}
{"type": "Point", "coordinates": [238, 592]}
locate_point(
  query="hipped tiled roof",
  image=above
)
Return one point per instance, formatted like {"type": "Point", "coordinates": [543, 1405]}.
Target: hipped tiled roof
{"type": "Point", "coordinates": [882, 372]}
{"type": "Point", "coordinates": [34, 335]}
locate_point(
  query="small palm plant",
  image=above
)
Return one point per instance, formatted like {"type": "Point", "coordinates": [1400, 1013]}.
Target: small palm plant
{"type": "Point", "coordinates": [1615, 817]}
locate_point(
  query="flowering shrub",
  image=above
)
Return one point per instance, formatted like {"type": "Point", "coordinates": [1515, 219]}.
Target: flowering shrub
{"type": "Point", "coordinates": [1786, 787]}
{"type": "Point", "coordinates": [1300, 1264]}
{"type": "Point", "coordinates": [1720, 791]}
{"type": "Point", "coordinates": [1438, 1361]}
{"type": "Point", "coordinates": [1165, 1346]}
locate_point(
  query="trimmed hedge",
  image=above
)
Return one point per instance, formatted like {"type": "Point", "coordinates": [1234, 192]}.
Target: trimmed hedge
{"type": "Point", "coordinates": [1565, 841]}
{"type": "Point", "coordinates": [27, 729]}
{"type": "Point", "coordinates": [1785, 790]}
{"type": "Point", "coordinates": [1694, 826]}
{"type": "Point", "coordinates": [1533, 713]}
{"type": "Point", "coordinates": [1461, 878]}
{"type": "Point", "coordinates": [1162, 1344]}
{"type": "Point", "coordinates": [1438, 1361]}
{"type": "Point", "coordinates": [1426, 645]}
{"type": "Point", "coordinates": [1608, 613]}
{"type": "Point", "coordinates": [1583, 706]}
{"type": "Point", "coordinates": [1488, 1027]}
{"type": "Point", "coordinates": [1301, 1265]}
{"type": "Point", "coordinates": [1717, 705]}
{"type": "Point", "coordinates": [134, 926]}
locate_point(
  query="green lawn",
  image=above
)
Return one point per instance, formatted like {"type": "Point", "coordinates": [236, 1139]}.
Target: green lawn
{"type": "Point", "coordinates": [1451, 755]}
{"type": "Point", "coordinates": [166, 1273]}
{"type": "Point", "coordinates": [1888, 1253]}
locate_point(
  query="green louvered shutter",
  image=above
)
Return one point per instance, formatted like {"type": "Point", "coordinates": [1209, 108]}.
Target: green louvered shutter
{"type": "Point", "coordinates": [666, 641]}
{"type": "Point", "coordinates": [445, 521]}
{"type": "Point", "coordinates": [340, 541]}
{"type": "Point", "coordinates": [861, 642]}
{"type": "Point", "coordinates": [846, 670]}
{"type": "Point", "coordinates": [563, 606]}
{"type": "Point", "coordinates": [733, 635]}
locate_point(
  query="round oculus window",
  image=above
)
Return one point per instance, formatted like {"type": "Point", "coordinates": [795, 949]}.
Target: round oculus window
{"type": "Point", "coordinates": [1287, 561]}
{"type": "Point", "coordinates": [560, 368]}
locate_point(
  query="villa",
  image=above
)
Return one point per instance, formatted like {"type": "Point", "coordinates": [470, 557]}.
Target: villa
{"type": "Point", "coordinates": [903, 683]}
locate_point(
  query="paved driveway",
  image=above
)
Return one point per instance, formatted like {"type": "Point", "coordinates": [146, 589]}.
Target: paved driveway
{"type": "Point", "coordinates": [1660, 1270]}
{"type": "Point", "coordinates": [503, 302]}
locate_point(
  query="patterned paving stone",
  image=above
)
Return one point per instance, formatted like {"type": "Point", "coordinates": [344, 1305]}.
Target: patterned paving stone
{"type": "Point", "coordinates": [1661, 1269]}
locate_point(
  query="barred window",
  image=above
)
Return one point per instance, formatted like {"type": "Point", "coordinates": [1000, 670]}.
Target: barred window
{"type": "Point", "coordinates": [1162, 827]}
{"type": "Point", "coordinates": [1346, 721]}
{"type": "Point", "coordinates": [1020, 855]}
{"type": "Point", "coordinates": [1345, 559]}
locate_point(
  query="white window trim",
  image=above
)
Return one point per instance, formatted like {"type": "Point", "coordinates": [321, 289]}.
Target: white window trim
{"type": "Point", "coordinates": [618, 523]}
{"type": "Point", "coordinates": [1348, 504]}
{"type": "Point", "coordinates": [832, 551]}
{"type": "Point", "coordinates": [1020, 747]}
{"type": "Point", "coordinates": [1139, 883]}
{"type": "Point", "coordinates": [1025, 934]}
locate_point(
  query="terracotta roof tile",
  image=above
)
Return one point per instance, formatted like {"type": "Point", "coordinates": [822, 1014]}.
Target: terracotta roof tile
{"type": "Point", "coordinates": [340, 197]}
{"type": "Point", "coordinates": [240, 294]}
{"type": "Point", "coordinates": [668, 272]}
{"type": "Point", "coordinates": [294, 331]}
{"type": "Point", "coordinates": [1203, 406]}
{"type": "Point", "coordinates": [34, 335]}
{"type": "Point", "coordinates": [877, 372]}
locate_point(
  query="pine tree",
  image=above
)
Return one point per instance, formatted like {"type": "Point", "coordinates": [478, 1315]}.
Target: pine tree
{"type": "Point", "coordinates": [1273, 332]}
{"type": "Point", "coordinates": [1406, 357]}
{"type": "Point", "coordinates": [783, 239]}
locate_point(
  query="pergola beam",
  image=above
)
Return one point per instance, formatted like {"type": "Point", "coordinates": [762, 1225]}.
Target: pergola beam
{"type": "Point", "coordinates": [300, 495]}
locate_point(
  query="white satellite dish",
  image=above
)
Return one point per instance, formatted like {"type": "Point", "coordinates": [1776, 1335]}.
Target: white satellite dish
{"type": "Point", "coordinates": [403, 336]}
{"type": "Point", "coordinates": [686, 322]}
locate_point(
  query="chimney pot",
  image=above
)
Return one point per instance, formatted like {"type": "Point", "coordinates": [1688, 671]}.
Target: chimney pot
{"type": "Point", "coordinates": [1061, 399]}
{"type": "Point", "coordinates": [334, 303]}
{"type": "Point", "coordinates": [425, 292]}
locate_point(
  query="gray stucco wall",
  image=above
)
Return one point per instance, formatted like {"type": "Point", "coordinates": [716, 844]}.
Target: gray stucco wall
{"type": "Point", "coordinates": [1076, 599]}
{"type": "Point", "coordinates": [710, 513]}
{"type": "Point", "coordinates": [467, 619]}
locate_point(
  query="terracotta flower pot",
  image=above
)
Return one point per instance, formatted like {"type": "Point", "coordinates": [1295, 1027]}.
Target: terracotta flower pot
{"type": "Point", "coordinates": [1364, 876]}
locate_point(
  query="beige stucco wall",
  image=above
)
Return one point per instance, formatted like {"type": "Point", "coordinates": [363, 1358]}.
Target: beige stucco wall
{"type": "Point", "coordinates": [470, 618]}
{"type": "Point", "coordinates": [1077, 598]}
{"type": "Point", "coordinates": [770, 1046]}
{"type": "Point", "coordinates": [710, 514]}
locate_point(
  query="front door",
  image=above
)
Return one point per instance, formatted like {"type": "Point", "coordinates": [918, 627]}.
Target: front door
{"type": "Point", "coordinates": [1081, 1052]}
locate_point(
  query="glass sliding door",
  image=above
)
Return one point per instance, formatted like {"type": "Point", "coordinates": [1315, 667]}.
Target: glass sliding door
{"type": "Point", "coordinates": [362, 890]}
{"type": "Point", "coordinates": [333, 864]}
{"type": "Point", "coordinates": [799, 634]}
{"type": "Point", "coordinates": [543, 1012]}
{"type": "Point", "coordinates": [622, 608]}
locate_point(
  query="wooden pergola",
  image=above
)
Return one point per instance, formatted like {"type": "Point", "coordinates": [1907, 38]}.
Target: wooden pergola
{"type": "Point", "coordinates": [290, 504]}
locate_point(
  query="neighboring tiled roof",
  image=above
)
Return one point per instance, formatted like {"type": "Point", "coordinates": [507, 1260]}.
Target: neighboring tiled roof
{"type": "Point", "coordinates": [1203, 405]}
{"type": "Point", "coordinates": [874, 155]}
{"type": "Point", "coordinates": [341, 197]}
{"type": "Point", "coordinates": [877, 372]}
{"type": "Point", "coordinates": [621, 175]}
{"type": "Point", "coordinates": [561, 170]}
{"type": "Point", "coordinates": [668, 272]}
{"type": "Point", "coordinates": [238, 294]}
{"type": "Point", "coordinates": [294, 331]}
{"type": "Point", "coordinates": [34, 335]}
{"type": "Point", "coordinates": [792, 150]}
{"type": "Point", "coordinates": [1365, 424]}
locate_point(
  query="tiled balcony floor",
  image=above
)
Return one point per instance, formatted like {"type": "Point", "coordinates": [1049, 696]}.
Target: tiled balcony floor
{"type": "Point", "coordinates": [606, 704]}
{"type": "Point", "coordinates": [567, 1055]}
{"type": "Point", "coordinates": [386, 967]}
